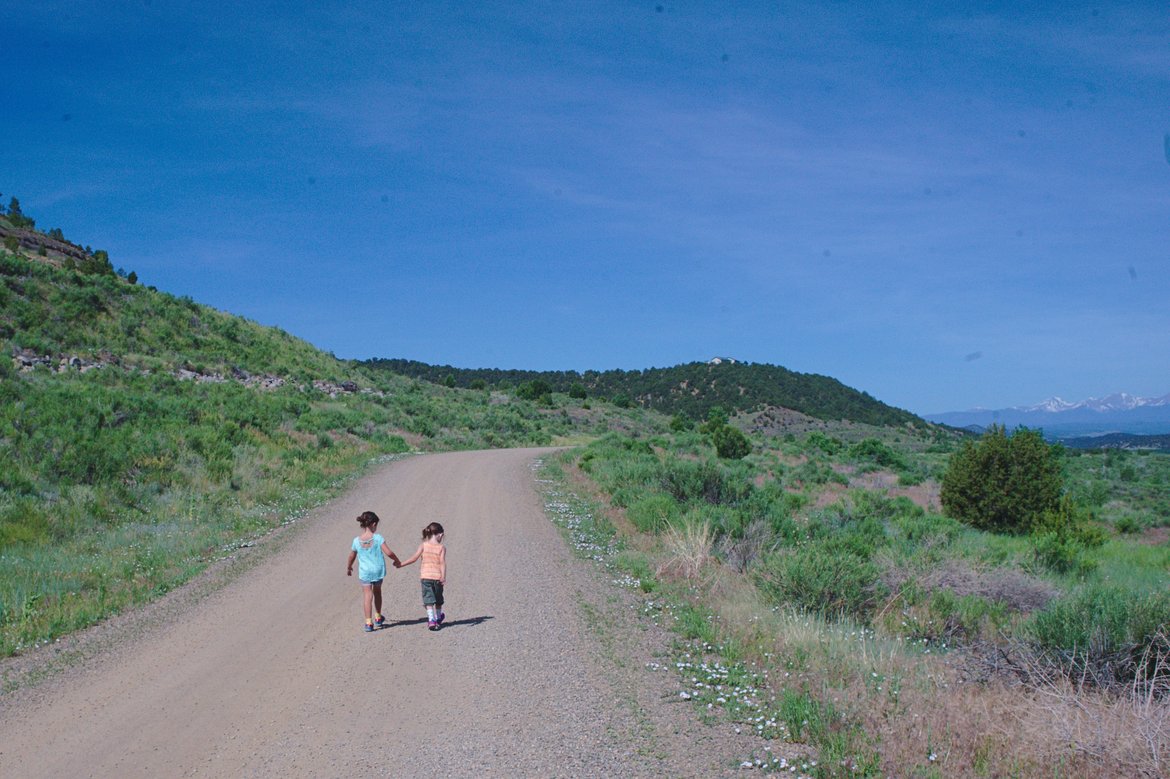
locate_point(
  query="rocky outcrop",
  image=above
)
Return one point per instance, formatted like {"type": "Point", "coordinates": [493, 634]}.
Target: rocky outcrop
{"type": "Point", "coordinates": [27, 360]}
{"type": "Point", "coordinates": [33, 241]}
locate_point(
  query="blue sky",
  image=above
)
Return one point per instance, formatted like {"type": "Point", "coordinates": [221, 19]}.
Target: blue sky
{"type": "Point", "coordinates": [944, 205]}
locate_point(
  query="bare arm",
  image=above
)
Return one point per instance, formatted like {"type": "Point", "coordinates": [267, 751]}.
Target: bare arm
{"type": "Point", "coordinates": [386, 551]}
{"type": "Point", "coordinates": [417, 554]}
{"type": "Point", "coordinates": [349, 563]}
{"type": "Point", "coordinates": [442, 565]}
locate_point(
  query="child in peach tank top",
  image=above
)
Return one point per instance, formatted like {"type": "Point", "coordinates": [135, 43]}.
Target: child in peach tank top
{"type": "Point", "coordinates": [432, 572]}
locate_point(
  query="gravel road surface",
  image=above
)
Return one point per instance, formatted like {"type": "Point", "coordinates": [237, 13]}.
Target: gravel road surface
{"type": "Point", "coordinates": [539, 671]}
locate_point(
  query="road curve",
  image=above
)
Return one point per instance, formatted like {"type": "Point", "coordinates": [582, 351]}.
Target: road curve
{"type": "Point", "coordinates": [271, 675]}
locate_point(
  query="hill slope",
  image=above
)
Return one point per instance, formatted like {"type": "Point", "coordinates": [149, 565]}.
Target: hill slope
{"type": "Point", "coordinates": [145, 435]}
{"type": "Point", "coordinates": [692, 389]}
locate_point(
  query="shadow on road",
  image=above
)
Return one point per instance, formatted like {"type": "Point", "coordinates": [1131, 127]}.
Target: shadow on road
{"type": "Point", "coordinates": [470, 621]}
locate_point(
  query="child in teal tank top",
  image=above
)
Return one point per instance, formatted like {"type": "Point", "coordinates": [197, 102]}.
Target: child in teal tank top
{"type": "Point", "coordinates": [367, 550]}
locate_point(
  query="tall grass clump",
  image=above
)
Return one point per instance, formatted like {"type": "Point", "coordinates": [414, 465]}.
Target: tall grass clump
{"type": "Point", "coordinates": [1107, 631]}
{"type": "Point", "coordinates": [688, 543]}
{"type": "Point", "coordinates": [821, 581]}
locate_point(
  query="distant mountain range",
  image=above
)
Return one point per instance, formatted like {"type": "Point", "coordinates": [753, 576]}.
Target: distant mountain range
{"type": "Point", "coordinates": [1058, 418]}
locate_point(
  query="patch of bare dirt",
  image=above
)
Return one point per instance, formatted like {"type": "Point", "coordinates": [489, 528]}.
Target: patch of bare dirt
{"type": "Point", "coordinates": [1155, 536]}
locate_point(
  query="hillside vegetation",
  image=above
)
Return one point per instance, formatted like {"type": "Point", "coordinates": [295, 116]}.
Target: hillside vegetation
{"type": "Point", "coordinates": [893, 597]}
{"type": "Point", "coordinates": [693, 389]}
{"type": "Point", "coordinates": [144, 436]}
{"type": "Point", "coordinates": [896, 637]}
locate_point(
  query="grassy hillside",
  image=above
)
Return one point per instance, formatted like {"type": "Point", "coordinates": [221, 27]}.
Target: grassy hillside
{"type": "Point", "coordinates": [892, 640]}
{"type": "Point", "coordinates": [692, 389]}
{"type": "Point", "coordinates": [145, 435]}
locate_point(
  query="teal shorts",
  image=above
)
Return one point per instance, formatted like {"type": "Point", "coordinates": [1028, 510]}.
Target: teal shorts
{"type": "Point", "coordinates": [432, 592]}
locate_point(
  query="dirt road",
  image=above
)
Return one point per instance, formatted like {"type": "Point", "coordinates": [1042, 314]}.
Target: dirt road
{"type": "Point", "coordinates": [271, 675]}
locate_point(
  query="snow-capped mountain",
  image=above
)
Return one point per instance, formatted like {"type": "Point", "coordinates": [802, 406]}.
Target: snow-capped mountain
{"type": "Point", "coordinates": [1059, 418]}
{"type": "Point", "coordinates": [1119, 401]}
{"type": "Point", "coordinates": [1054, 405]}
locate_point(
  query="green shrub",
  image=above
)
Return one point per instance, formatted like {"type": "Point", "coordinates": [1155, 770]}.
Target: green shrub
{"type": "Point", "coordinates": [25, 521]}
{"type": "Point", "coordinates": [687, 481]}
{"type": "Point", "coordinates": [1063, 539]}
{"type": "Point", "coordinates": [812, 472]}
{"type": "Point", "coordinates": [1127, 525]}
{"type": "Point", "coordinates": [822, 581]}
{"type": "Point", "coordinates": [652, 513]}
{"type": "Point", "coordinates": [716, 418]}
{"type": "Point", "coordinates": [394, 444]}
{"type": "Point", "coordinates": [947, 617]}
{"type": "Point", "coordinates": [533, 390]}
{"type": "Point", "coordinates": [873, 450]}
{"type": "Point", "coordinates": [923, 528]}
{"type": "Point", "coordinates": [1062, 554]}
{"type": "Point", "coordinates": [911, 478]}
{"type": "Point", "coordinates": [730, 443]}
{"type": "Point", "coordinates": [1003, 483]}
{"type": "Point", "coordinates": [1110, 630]}
{"type": "Point", "coordinates": [819, 441]}
{"type": "Point", "coordinates": [860, 539]}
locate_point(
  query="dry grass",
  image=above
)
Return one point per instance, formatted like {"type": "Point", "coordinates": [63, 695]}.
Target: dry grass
{"type": "Point", "coordinates": [687, 548]}
{"type": "Point", "coordinates": [740, 553]}
{"type": "Point", "coordinates": [930, 719]}
{"type": "Point", "coordinates": [1126, 730]}
{"type": "Point", "coordinates": [1015, 589]}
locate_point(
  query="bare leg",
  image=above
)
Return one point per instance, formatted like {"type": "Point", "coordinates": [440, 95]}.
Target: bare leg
{"type": "Point", "coordinates": [377, 588]}
{"type": "Point", "coordinates": [367, 601]}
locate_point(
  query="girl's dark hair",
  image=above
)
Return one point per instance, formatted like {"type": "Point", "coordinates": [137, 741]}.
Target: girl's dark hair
{"type": "Point", "coordinates": [432, 530]}
{"type": "Point", "coordinates": [368, 519]}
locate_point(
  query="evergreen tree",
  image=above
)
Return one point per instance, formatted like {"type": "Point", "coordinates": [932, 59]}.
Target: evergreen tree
{"type": "Point", "coordinates": [532, 390]}
{"type": "Point", "coordinates": [730, 443]}
{"type": "Point", "coordinates": [1004, 483]}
